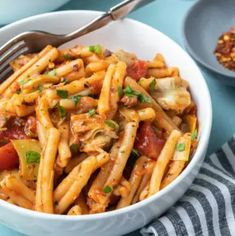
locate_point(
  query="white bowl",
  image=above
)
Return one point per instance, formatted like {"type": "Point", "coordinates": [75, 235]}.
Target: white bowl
{"type": "Point", "coordinates": [12, 10]}
{"type": "Point", "coordinates": [145, 42]}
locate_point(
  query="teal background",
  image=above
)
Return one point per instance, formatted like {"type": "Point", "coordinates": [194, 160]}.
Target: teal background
{"type": "Point", "coordinates": [167, 16]}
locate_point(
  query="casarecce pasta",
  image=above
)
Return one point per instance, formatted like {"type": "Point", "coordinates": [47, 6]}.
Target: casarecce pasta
{"type": "Point", "coordinates": [86, 130]}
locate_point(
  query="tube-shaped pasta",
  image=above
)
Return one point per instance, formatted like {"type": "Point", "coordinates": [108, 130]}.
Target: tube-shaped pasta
{"type": "Point", "coordinates": [162, 119]}
{"type": "Point", "coordinates": [160, 73]}
{"type": "Point", "coordinates": [42, 134]}
{"type": "Point", "coordinates": [116, 85]}
{"type": "Point", "coordinates": [96, 66]}
{"type": "Point", "coordinates": [39, 80]}
{"type": "Point", "coordinates": [145, 180]}
{"type": "Point", "coordinates": [20, 188]}
{"type": "Point", "coordinates": [135, 179]}
{"type": "Point", "coordinates": [147, 114]}
{"type": "Point", "coordinates": [63, 148]}
{"type": "Point", "coordinates": [42, 113]}
{"type": "Point", "coordinates": [104, 99]}
{"type": "Point", "coordinates": [65, 69]}
{"type": "Point", "coordinates": [95, 193]}
{"type": "Point", "coordinates": [23, 110]}
{"type": "Point", "coordinates": [16, 198]}
{"type": "Point", "coordinates": [83, 172]}
{"type": "Point", "coordinates": [122, 156]}
{"type": "Point", "coordinates": [162, 162]}
{"type": "Point", "coordinates": [75, 210]}
{"type": "Point", "coordinates": [47, 175]}
{"type": "Point", "coordinates": [4, 85]}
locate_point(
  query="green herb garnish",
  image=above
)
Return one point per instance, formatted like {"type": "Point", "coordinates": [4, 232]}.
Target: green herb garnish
{"type": "Point", "coordinates": [74, 148]}
{"type": "Point", "coordinates": [62, 111]}
{"type": "Point", "coordinates": [128, 91]}
{"type": "Point", "coordinates": [62, 93]}
{"type": "Point", "coordinates": [135, 152]}
{"type": "Point", "coordinates": [32, 157]}
{"type": "Point", "coordinates": [107, 189]}
{"type": "Point", "coordinates": [112, 124]}
{"type": "Point", "coordinates": [152, 85]}
{"type": "Point", "coordinates": [22, 82]}
{"type": "Point", "coordinates": [52, 72]}
{"type": "Point", "coordinates": [96, 49]}
{"type": "Point", "coordinates": [91, 112]}
{"type": "Point", "coordinates": [180, 147]}
{"type": "Point", "coordinates": [76, 99]}
{"type": "Point", "coordinates": [194, 135]}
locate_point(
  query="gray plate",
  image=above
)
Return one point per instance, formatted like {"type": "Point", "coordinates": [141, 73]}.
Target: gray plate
{"type": "Point", "coordinates": [203, 25]}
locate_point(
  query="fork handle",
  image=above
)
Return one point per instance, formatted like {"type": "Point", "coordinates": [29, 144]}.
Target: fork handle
{"type": "Point", "coordinates": [117, 12]}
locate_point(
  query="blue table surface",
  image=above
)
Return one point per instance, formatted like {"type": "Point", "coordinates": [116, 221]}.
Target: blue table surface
{"type": "Point", "coordinates": [167, 16]}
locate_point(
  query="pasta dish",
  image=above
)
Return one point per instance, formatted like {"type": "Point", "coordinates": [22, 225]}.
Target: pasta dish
{"type": "Point", "coordinates": [85, 130]}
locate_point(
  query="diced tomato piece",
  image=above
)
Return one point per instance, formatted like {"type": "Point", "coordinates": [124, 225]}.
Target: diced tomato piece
{"type": "Point", "coordinates": [137, 70]}
{"type": "Point", "coordinates": [147, 142]}
{"type": "Point", "coordinates": [8, 157]}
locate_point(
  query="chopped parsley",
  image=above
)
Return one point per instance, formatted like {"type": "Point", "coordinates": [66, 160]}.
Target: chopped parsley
{"type": "Point", "coordinates": [62, 111]}
{"type": "Point", "coordinates": [194, 135]}
{"type": "Point", "coordinates": [107, 189]}
{"type": "Point", "coordinates": [180, 147]}
{"type": "Point", "coordinates": [32, 157]}
{"type": "Point", "coordinates": [112, 124]}
{"type": "Point", "coordinates": [76, 99]}
{"type": "Point", "coordinates": [152, 85]}
{"type": "Point", "coordinates": [91, 112]}
{"type": "Point", "coordinates": [96, 49]}
{"type": "Point", "coordinates": [62, 93]}
{"type": "Point", "coordinates": [128, 91]}
{"type": "Point", "coordinates": [74, 148]}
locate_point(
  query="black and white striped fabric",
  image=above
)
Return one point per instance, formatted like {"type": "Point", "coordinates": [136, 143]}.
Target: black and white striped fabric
{"type": "Point", "coordinates": [208, 207]}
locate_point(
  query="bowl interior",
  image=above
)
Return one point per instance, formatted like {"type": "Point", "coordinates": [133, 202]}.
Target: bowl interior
{"type": "Point", "coordinates": [205, 22]}
{"type": "Point", "coordinates": [145, 42]}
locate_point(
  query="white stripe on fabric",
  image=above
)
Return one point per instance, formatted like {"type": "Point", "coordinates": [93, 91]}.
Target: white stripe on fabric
{"type": "Point", "coordinates": [168, 225]}
{"type": "Point", "coordinates": [229, 154]}
{"type": "Point", "coordinates": [211, 199]}
{"type": "Point", "coordinates": [149, 230]}
{"type": "Point", "coordinates": [226, 194]}
{"type": "Point", "coordinates": [200, 211]}
{"type": "Point", "coordinates": [186, 219]}
{"type": "Point", "coordinates": [212, 169]}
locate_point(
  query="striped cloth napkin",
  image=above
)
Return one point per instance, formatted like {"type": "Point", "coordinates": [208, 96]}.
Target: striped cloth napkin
{"type": "Point", "coordinates": [208, 207]}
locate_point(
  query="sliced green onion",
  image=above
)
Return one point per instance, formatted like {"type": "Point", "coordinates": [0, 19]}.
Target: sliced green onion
{"type": "Point", "coordinates": [135, 152]}
{"type": "Point", "coordinates": [62, 93]}
{"type": "Point", "coordinates": [67, 57]}
{"type": "Point", "coordinates": [180, 147]}
{"type": "Point", "coordinates": [76, 99]}
{"type": "Point", "coordinates": [96, 49]}
{"type": "Point", "coordinates": [40, 88]}
{"type": "Point", "coordinates": [32, 157]}
{"type": "Point", "coordinates": [152, 85]}
{"type": "Point", "coordinates": [112, 124]}
{"type": "Point", "coordinates": [107, 189]}
{"type": "Point", "coordinates": [194, 135]}
{"type": "Point", "coordinates": [91, 112]}
{"type": "Point", "coordinates": [62, 111]}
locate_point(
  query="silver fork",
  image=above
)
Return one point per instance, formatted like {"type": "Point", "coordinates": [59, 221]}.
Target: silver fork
{"type": "Point", "coordinates": [34, 41]}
